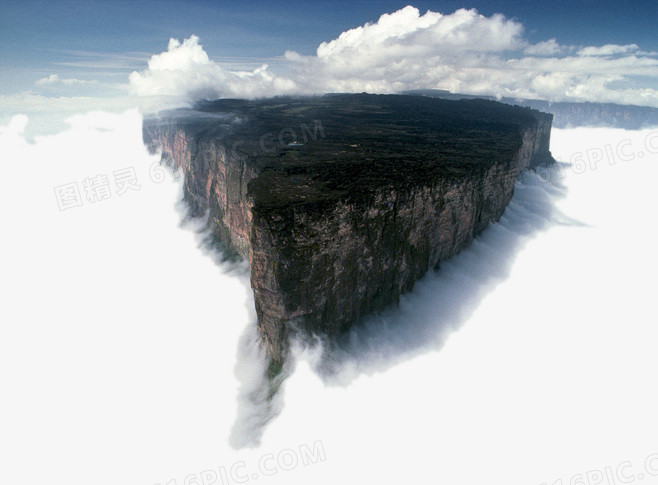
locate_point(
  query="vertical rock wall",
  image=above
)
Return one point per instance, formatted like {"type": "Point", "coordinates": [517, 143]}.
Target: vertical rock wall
{"type": "Point", "coordinates": [321, 266]}
{"type": "Point", "coordinates": [325, 269]}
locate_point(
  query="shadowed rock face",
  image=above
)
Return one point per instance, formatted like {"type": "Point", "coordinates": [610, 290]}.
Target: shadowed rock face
{"type": "Point", "coordinates": [341, 202]}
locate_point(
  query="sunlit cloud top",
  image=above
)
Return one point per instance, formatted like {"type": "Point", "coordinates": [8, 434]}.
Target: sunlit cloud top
{"type": "Point", "coordinates": [463, 52]}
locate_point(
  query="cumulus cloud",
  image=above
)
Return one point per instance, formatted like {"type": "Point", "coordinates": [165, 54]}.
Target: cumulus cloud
{"type": "Point", "coordinates": [185, 70]}
{"type": "Point", "coordinates": [462, 52]}
{"type": "Point", "coordinates": [406, 50]}
{"type": "Point", "coordinates": [16, 126]}
{"type": "Point", "coordinates": [407, 32]}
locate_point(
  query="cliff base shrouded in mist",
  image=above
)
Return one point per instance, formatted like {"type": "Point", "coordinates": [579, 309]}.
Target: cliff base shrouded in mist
{"type": "Point", "coordinates": [342, 202]}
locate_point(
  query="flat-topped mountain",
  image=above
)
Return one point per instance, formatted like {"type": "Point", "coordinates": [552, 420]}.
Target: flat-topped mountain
{"type": "Point", "coordinates": [341, 202]}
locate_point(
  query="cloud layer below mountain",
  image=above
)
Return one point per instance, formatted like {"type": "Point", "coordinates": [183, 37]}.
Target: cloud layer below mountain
{"type": "Point", "coordinates": [125, 357]}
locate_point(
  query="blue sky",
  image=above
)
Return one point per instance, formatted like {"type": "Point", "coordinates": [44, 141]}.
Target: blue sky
{"type": "Point", "coordinates": [85, 51]}
{"type": "Point", "coordinates": [38, 38]}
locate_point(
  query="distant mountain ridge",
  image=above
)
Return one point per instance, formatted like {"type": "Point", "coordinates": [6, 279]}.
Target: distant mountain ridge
{"type": "Point", "coordinates": [571, 114]}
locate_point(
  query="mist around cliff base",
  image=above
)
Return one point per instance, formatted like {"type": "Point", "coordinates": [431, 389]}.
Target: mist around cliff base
{"type": "Point", "coordinates": [127, 349]}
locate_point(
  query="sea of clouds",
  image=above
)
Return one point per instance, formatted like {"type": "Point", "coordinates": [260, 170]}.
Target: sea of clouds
{"type": "Point", "coordinates": [127, 350]}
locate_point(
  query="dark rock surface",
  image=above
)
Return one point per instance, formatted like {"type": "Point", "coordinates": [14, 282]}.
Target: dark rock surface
{"type": "Point", "coordinates": [341, 202]}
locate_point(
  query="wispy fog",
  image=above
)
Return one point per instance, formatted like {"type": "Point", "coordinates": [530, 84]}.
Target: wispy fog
{"type": "Point", "coordinates": [444, 300]}
{"type": "Point", "coordinates": [128, 349]}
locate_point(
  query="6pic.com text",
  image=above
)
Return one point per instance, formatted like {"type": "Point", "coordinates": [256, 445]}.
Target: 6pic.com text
{"type": "Point", "coordinates": [620, 474]}
{"type": "Point", "coordinates": [269, 464]}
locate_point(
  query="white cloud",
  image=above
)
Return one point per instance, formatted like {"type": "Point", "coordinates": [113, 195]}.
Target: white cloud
{"type": "Point", "coordinates": [185, 70]}
{"type": "Point", "coordinates": [461, 369]}
{"type": "Point", "coordinates": [546, 48]}
{"type": "Point", "coordinates": [406, 32]}
{"type": "Point", "coordinates": [54, 79]}
{"type": "Point", "coordinates": [608, 50]}
{"type": "Point", "coordinates": [48, 114]}
{"type": "Point", "coordinates": [462, 52]}
{"type": "Point", "coordinates": [16, 126]}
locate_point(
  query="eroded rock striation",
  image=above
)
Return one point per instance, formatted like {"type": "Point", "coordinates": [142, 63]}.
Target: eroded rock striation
{"type": "Point", "coordinates": [341, 202]}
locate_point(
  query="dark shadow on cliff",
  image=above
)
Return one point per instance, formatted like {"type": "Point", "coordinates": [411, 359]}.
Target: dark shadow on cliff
{"type": "Point", "coordinates": [443, 300]}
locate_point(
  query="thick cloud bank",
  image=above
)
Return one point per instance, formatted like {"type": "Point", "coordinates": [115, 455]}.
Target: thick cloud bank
{"type": "Point", "coordinates": [463, 52]}
{"type": "Point", "coordinates": [126, 355]}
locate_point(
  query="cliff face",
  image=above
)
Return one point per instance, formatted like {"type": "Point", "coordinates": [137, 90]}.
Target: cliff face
{"type": "Point", "coordinates": [215, 179]}
{"type": "Point", "coordinates": [341, 203]}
